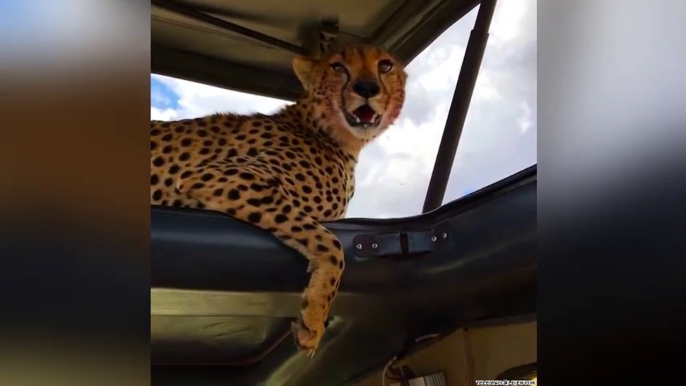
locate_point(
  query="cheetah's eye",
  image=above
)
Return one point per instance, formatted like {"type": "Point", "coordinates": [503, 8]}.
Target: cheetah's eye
{"type": "Point", "coordinates": [385, 66]}
{"type": "Point", "coordinates": [338, 67]}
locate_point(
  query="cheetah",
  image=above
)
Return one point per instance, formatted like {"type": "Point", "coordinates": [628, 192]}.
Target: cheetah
{"type": "Point", "coordinates": [288, 172]}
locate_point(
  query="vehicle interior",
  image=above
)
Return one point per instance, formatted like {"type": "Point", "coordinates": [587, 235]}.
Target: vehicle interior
{"type": "Point", "coordinates": [447, 296]}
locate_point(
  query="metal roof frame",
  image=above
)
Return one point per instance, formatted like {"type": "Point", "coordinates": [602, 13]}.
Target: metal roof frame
{"type": "Point", "coordinates": [406, 33]}
{"type": "Point", "coordinates": [471, 64]}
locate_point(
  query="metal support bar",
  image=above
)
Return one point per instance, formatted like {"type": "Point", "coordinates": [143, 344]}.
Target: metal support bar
{"type": "Point", "coordinates": [193, 14]}
{"type": "Point", "coordinates": [459, 107]}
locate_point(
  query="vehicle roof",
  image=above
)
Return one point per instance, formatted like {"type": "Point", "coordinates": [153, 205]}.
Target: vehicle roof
{"type": "Point", "coordinates": [190, 39]}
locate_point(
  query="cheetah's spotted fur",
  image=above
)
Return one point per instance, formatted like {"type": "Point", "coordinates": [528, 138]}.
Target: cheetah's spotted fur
{"type": "Point", "coordinates": [290, 171]}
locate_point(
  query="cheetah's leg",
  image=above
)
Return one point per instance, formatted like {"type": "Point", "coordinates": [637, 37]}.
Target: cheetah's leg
{"type": "Point", "coordinates": [251, 195]}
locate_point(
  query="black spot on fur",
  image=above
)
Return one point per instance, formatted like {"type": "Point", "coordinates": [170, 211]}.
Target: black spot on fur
{"type": "Point", "coordinates": [234, 194]}
{"type": "Point", "coordinates": [254, 217]}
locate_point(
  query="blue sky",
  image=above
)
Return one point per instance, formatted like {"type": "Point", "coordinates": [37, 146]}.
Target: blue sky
{"type": "Point", "coordinates": [499, 137]}
{"type": "Point", "coordinates": [162, 96]}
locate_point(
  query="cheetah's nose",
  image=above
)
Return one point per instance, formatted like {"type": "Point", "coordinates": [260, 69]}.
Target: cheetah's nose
{"type": "Point", "coordinates": [366, 89]}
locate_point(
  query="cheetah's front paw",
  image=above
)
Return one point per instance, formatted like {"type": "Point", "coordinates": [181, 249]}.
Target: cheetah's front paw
{"type": "Point", "coordinates": [307, 339]}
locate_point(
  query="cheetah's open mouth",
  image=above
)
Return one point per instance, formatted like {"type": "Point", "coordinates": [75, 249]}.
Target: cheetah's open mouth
{"type": "Point", "coordinates": [363, 116]}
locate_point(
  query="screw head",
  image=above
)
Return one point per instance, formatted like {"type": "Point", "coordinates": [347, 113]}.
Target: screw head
{"type": "Point", "coordinates": [434, 238]}
{"type": "Point", "coordinates": [445, 235]}
{"type": "Point", "coordinates": [359, 246]}
{"type": "Point", "coordinates": [375, 245]}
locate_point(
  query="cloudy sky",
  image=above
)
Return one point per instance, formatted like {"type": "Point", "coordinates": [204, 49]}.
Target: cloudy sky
{"type": "Point", "coordinates": [499, 137]}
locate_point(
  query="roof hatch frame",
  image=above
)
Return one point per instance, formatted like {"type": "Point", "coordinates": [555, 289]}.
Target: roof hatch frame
{"type": "Point", "coordinates": [459, 107]}
{"type": "Point", "coordinates": [192, 13]}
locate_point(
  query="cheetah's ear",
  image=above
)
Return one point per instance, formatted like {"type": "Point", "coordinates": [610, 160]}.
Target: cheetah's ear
{"type": "Point", "coordinates": [302, 67]}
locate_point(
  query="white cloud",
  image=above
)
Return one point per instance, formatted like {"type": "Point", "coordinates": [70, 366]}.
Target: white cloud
{"type": "Point", "coordinates": [507, 25]}
{"type": "Point", "coordinates": [168, 114]}
{"type": "Point", "coordinates": [499, 136]}
{"type": "Point", "coordinates": [197, 99]}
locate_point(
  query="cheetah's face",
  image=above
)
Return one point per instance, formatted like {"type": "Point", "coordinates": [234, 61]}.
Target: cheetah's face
{"type": "Point", "coordinates": [360, 89]}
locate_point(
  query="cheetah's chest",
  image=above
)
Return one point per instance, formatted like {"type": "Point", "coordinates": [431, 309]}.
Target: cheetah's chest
{"type": "Point", "coordinates": [317, 179]}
